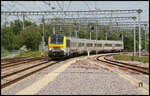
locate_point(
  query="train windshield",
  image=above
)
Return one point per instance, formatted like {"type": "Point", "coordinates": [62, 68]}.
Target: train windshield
{"type": "Point", "coordinates": [56, 39]}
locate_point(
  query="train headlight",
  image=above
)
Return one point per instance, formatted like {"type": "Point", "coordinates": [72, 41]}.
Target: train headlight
{"type": "Point", "coordinates": [50, 48]}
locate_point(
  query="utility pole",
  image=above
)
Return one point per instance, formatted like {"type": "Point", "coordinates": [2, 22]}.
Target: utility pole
{"type": "Point", "coordinates": [117, 27]}
{"type": "Point", "coordinates": [122, 35]}
{"type": "Point", "coordinates": [76, 30]}
{"type": "Point", "coordinates": [91, 30]}
{"type": "Point", "coordinates": [54, 29]}
{"type": "Point", "coordinates": [5, 22]}
{"type": "Point", "coordinates": [96, 27]}
{"type": "Point", "coordinates": [70, 31]}
{"type": "Point", "coordinates": [106, 34]}
{"type": "Point", "coordinates": [145, 37]}
{"type": "Point", "coordinates": [23, 21]}
{"type": "Point", "coordinates": [43, 29]}
{"type": "Point", "coordinates": [76, 33]}
{"type": "Point", "coordinates": [139, 18]}
{"type": "Point", "coordinates": [90, 33]}
{"type": "Point", "coordinates": [60, 29]}
{"type": "Point", "coordinates": [96, 31]}
{"type": "Point", "coordinates": [134, 18]}
{"type": "Point", "coordinates": [43, 42]}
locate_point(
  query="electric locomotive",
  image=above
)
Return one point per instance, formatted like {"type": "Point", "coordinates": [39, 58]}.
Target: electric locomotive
{"type": "Point", "coordinates": [57, 45]}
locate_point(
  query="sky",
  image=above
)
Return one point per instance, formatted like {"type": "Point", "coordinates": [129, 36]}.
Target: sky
{"type": "Point", "coordinates": [75, 6]}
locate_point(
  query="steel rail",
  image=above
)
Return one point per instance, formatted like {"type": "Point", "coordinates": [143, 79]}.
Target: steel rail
{"type": "Point", "coordinates": [133, 68]}
{"type": "Point", "coordinates": [26, 75]}
{"type": "Point", "coordinates": [10, 64]}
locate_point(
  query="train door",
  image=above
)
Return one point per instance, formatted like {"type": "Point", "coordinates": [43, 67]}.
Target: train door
{"type": "Point", "coordinates": [68, 47]}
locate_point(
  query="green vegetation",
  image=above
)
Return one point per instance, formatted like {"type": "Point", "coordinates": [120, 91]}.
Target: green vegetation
{"type": "Point", "coordinates": [131, 58]}
{"type": "Point", "coordinates": [4, 52]}
{"type": "Point", "coordinates": [29, 54]}
{"type": "Point", "coordinates": [13, 37]}
{"type": "Point", "coordinates": [31, 37]}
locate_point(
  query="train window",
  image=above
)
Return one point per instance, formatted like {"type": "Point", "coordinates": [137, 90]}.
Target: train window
{"type": "Point", "coordinates": [74, 44]}
{"type": "Point", "coordinates": [68, 43]}
{"type": "Point", "coordinates": [89, 45]}
{"type": "Point", "coordinates": [99, 45]}
{"type": "Point", "coordinates": [57, 40]}
{"type": "Point", "coordinates": [118, 45]}
{"type": "Point", "coordinates": [60, 40]}
{"type": "Point", "coordinates": [81, 44]}
{"type": "Point", "coordinates": [53, 40]}
{"type": "Point", "coordinates": [108, 44]}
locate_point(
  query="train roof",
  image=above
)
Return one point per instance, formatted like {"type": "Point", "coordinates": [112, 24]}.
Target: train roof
{"type": "Point", "coordinates": [57, 35]}
{"type": "Point", "coordinates": [87, 40]}
{"type": "Point", "coordinates": [93, 41]}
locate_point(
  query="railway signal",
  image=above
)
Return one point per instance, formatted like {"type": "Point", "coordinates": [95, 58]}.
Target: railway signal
{"type": "Point", "coordinates": [77, 29]}
{"type": "Point", "coordinates": [91, 26]}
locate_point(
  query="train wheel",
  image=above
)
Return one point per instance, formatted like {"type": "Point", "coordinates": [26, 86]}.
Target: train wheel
{"type": "Point", "coordinates": [49, 59]}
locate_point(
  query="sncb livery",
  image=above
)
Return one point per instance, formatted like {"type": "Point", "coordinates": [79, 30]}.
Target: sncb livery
{"type": "Point", "coordinates": [60, 46]}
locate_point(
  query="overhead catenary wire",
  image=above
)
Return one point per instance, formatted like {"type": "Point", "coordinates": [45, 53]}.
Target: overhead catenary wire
{"type": "Point", "coordinates": [68, 5]}
{"type": "Point", "coordinates": [59, 5]}
{"type": "Point", "coordinates": [87, 5]}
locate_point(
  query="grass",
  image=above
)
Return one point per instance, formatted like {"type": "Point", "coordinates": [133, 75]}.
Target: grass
{"type": "Point", "coordinates": [144, 59]}
{"type": "Point", "coordinates": [31, 54]}
{"type": "Point", "coordinates": [4, 52]}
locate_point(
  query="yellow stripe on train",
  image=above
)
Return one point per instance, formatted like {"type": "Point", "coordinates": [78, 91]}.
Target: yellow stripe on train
{"type": "Point", "coordinates": [57, 45]}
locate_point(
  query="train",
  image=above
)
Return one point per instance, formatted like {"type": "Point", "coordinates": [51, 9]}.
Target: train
{"type": "Point", "coordinates": [61, 46]}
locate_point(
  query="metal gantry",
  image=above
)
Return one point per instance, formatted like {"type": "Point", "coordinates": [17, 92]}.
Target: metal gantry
{"type": "Point", "coordinates": [82, 17]}
{"type": "Point", "coordinates": [69, 13]}
{"type": "Point", "coordinates": [86, 21]}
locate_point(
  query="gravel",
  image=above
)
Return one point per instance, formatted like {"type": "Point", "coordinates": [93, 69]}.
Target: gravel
{"type": "Point", "coordinates": [19, 67]}
{"type": "Point", "coordinates": [81, 78]}
{"type": "Point", "coordinates": [28, 81]}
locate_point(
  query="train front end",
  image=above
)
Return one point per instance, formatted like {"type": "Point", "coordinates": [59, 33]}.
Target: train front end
{"type": "Point", "coordinates": [56, 46]}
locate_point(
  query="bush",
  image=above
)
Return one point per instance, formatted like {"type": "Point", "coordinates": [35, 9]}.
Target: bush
{"type": "Point", "coordinates": [4, 52]}
{"type": "Point", "coordinates": [29, 54]}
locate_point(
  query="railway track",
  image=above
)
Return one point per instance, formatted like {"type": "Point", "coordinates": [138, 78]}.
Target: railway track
{"type": "Point", "coordinates": [15, 60]}
{"type": "Point", "coordinates": [11, 64]}
{"type": "Point", "coordinates": [16, 76]}
{"type": "Point", "coordinates": [104, 58]}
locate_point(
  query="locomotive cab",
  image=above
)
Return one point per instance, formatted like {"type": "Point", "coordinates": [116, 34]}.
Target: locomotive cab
{"type": "Point", "coordinates": [56, 46]}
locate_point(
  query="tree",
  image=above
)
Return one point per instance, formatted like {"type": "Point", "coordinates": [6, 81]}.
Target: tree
{"type": "Point", "coordinates": [31, 37]}
{"type": "Point", "coordinates": [16, 26]}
